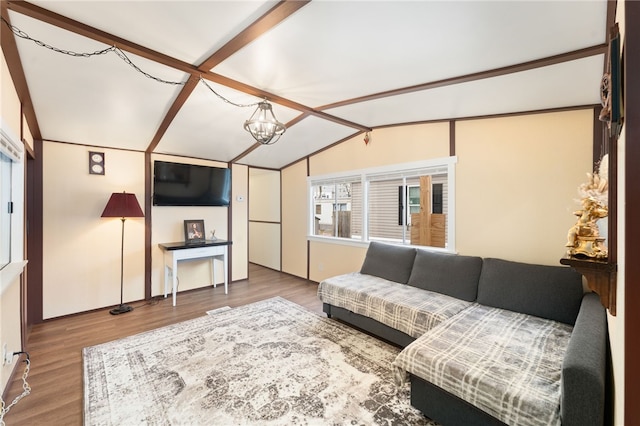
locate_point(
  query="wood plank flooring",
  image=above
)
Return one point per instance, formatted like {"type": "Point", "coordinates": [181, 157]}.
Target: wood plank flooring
{"type": "Point", "coordinates": [56, 346]}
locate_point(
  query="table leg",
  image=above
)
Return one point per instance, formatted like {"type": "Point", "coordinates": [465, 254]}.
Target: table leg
{"type": "Point", "coordinates": [213, 271]}
{"type": "Point", "coordinates": [226, 269]}
{"type": "Point", "coordinates": [166, 279]}
{"type": "Point", "coordinates": [175, 281]}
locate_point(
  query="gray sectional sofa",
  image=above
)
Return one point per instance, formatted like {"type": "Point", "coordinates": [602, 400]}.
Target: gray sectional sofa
{"type": "Point", "coordinates": [485, 341]}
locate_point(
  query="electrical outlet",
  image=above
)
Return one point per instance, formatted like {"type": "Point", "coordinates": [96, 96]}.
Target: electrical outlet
{"type": "Point", "coordinates": [7, 356]}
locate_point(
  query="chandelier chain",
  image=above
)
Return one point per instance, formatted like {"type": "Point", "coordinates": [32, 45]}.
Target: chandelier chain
{"type": "Point", "coordinates": [203, 81]}
{"type": "Point", "coordinates": [267, 138]}
{"type": "Point", "coordinates": [23, 35]}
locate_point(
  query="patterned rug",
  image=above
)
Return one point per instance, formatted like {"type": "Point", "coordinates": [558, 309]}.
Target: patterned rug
{"type": "Point", "coordinates": [268, 363]}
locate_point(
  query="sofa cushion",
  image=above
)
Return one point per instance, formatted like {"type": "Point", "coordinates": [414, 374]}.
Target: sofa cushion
{"type": "Point", "coordinates": [408, 309]}
{"type": "Point", "coordinates": [505, 363]}
{"type": "Point", "coordinates": [552, 292]}
{"type": "Point", "coordinates": [446, 273]}
{"type": "Point", "coordinates": [391, 262]}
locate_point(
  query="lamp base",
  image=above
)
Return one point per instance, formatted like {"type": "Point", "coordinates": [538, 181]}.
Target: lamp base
{"type": "Point", "coordinates": [122, 309]}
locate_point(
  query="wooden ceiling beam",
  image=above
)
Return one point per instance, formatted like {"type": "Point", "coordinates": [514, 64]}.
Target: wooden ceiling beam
{"type": "Point", "coordinates": [10, 49]}
{"type": "Point", "coordinates": [266, 22]}
{"type": "Point", "coordinates": [177, 105]}
{"type": "Point", "coordinates": [599, 49]}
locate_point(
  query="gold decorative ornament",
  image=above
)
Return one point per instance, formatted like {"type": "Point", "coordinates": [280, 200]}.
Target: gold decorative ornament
{"type": "Point", "coordinates": [583, 239]}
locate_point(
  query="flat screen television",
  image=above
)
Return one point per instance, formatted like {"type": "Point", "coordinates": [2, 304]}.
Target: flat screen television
{"type": "Point", "coordinates": [177, 184]}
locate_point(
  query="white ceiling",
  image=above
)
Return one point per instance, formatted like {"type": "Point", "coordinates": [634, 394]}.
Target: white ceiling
{"type": "Point", "coordinates": [327, 58]}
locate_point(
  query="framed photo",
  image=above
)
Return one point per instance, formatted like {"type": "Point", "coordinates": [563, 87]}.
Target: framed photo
{"type": "Point", "coordinates": [194, 231]}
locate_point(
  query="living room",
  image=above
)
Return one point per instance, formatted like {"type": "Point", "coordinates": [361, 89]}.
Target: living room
{"type": "Point", "coordinates": [520, 185]}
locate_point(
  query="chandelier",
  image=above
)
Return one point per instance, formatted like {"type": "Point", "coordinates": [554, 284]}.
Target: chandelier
{"type": "Point", "coordinates": [263, 125]}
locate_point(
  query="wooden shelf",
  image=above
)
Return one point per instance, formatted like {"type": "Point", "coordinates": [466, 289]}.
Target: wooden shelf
{"type": "Point", "coordinates": [600, 276]}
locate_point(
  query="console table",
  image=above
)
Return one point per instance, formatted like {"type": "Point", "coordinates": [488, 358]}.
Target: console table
{"type": "Point", "coordinates": [174, 252]}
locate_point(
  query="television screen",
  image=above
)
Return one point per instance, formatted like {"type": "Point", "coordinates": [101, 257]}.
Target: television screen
{"type": "Point", "coordinates": [176, 184]}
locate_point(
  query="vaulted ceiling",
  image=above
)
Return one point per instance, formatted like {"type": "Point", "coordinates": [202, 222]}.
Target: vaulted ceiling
{"type": "Point", "coordinates": [331, 69]}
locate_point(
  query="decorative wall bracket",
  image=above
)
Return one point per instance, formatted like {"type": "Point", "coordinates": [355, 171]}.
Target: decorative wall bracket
{"type": "Point", "coordinates": [600, 276]}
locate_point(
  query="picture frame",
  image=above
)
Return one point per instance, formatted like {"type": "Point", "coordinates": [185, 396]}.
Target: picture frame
{"type": "Point", "coordinates": [611, 86]}
{"type": "Point", "coordinates": [194, 231]}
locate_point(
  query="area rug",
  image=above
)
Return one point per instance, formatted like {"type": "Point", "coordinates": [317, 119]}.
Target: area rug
{"type": "Point", "coordinates": [268, 363]}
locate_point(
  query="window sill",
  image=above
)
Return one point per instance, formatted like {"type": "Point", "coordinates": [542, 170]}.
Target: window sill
{"type": "Point", "coordinates": [9, 273]}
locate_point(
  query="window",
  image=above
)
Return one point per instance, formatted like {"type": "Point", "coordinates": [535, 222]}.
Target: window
{"type": "Point", "coordinates": [408, 204]}
{"type": "Point", "coordinates": [11, 188]}
{"type": "Point", "coordinates": [333, 206]}
{"type": "Point", "coordinates": [5, 209]}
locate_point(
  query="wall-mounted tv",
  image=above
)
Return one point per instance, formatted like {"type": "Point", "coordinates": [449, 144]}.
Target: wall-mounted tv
{"type": "Point", "coordinates": [177, 184]}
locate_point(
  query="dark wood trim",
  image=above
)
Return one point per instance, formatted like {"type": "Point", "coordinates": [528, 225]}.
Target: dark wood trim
{"type": "Point", "coordinates": [148, 225]}
{"type": "Point", "coordinates": [631, 66]}
{"type": "Point", "coordinates": [230, 230]}
{"type": "Point", "coordinates": [246, 152]}
{"type": "Point", "coordinates": [323, 149]}
{"type": "Point", "coordinates": [295, 162]}
{"type": "Point", "coordinates": [612, 6]}
{"type": "Point", "coordinates": [91, 146]}
{"type": "Point", "coordinates": [452, 138]}
{"type": "Point", "coordinates": [12, 57]}
{"type": "Point", "coordinates": [281, 207]}
{"type": "Point", "coordinates": [525, 66]}
{"type": "Point", "coordinates": [35, 254]}
{"type": "Point", "coordinates": [480, 117]}
{"type": "Point", "coordinates": [600, 140]}
{"type": "Point", "coordinates": [308, 159]}
{"type": "Point", "coordinates": [268, 222]}
{"type": "Point", "coordinates": [273, 17]}
{"type": "Point", "coordinates": [177, 104]}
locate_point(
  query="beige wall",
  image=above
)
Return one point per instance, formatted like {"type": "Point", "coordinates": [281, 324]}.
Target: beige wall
{"type": "Point", "coordinates": [264, 218]}
{"type": "Point", "coordinates": [392, 145]}
{"type": "Point", "coordinates": [10, 119]}
{"type": "Point", "coordinates": [327, 259]}
{"type": "Point", "coordinates": [168, 226]}
{"type": "Point", "coordinates": [387, 146]}
{"type": "Point", "coordinates": [240, 228]}
{"type": "Point", "coordinates": [516, 183]}
{"type": "Point", "coordinates": [81, 250]}
{"type": "Point", "coordinates": [294, 219]}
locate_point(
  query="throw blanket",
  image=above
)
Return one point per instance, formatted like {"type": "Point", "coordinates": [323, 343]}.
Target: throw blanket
{"type": "Point", "coordinates": [505, 363]}
{"type": "Point", "coordinates": [411, 310]}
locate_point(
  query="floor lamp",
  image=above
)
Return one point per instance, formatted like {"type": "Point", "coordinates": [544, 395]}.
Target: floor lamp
{"type": "Point", "coordinates": [122, 205]}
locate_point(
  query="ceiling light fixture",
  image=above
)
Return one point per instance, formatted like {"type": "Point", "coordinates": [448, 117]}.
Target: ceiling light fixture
{"type": "Point", "coordinates": [263, 125]}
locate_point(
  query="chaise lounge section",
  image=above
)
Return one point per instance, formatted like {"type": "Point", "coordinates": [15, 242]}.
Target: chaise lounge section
{"type": "Point", "coordinates": [486, 341]}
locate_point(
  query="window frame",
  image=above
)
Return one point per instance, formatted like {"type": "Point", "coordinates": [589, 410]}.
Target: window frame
{"type": "Point", "coordinates": [365, 176]}
{"type": "Point", "coordinates": [15, 152]}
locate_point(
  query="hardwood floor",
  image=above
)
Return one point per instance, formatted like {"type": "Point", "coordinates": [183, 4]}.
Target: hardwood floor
{"type": "Point", "coordinates": [55, 347]}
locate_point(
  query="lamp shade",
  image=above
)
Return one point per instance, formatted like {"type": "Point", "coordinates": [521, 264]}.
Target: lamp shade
{"type": "Point", "coordinates": [122, 204]}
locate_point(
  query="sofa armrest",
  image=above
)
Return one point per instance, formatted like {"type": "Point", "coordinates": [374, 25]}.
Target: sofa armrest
{"type": "Point", "coordinates": [584, 367]}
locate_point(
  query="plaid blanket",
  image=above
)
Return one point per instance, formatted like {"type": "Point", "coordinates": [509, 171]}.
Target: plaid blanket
{"type": "Point", "coordinates": [505, 363]}
{"type": "Point", "coordinates": [409, 309]}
